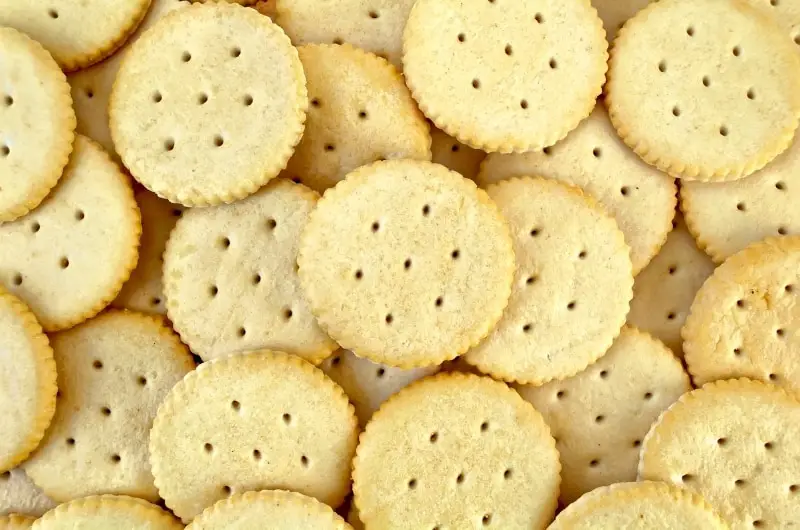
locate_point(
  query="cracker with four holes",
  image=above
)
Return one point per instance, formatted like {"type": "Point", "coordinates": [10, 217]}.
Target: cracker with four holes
{"type": "Point", "coordinates": [61, 26]}
{"type": "Point", "coordinates": [643, 505]}
{"type": "Point", "coordinates": [704, 90]}
{"type": "Point", "coordinates": [744, 320]}
{"type": "Point", "coordinates": [665, 289]}
{"type": "Point", "coordinates": [369, 384]}
{"type": "Point", "coordinates": [286, 510]}
{"type": "Point", "coordinates": [592, 157]}
{"type": "Point", "coordinates": [113, 371]}
{"type": "Point", "coordinates": [69, 258]}
{"type": "Point", "coordinates": [208, 104]}
{"type": "Point", "coordinates": [406, 263]}
{"type": "Point", "coordinates": [456, 451]}
{"type": "Point", "coordinates": [361, 111]}
{"type": "Point", "coordinates": [571, 289]}
{"type": "Point", "coordinates": [16, 522]}
{"type": "Point", "coordinates": [18, 494]}
{"type": "Point", "coordinates": [600, 416]}
{"type": "Point", "coordinates": [505, 76]}
{"type": "Point", "coordinates": [27, 382]}
{"type": "Point", "coordinates": [614, 13]}
{"type": "Point", "coordinates": [230, 276]}
{"type": "Point", "coordinates": [103, 512]}
{"type": "Point", "coordinates": [252, 421]}
{"type": "Point", "coordinates": [451, 153]}
{"type": "Point", "coordinates": [37, 123]}
{"type": "Point", "coordinates": [734, 442]}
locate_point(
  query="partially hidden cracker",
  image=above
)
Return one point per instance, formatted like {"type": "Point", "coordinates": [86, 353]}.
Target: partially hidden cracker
{"type": "Point", "coordinates": [103, 512]}
{"type": "Point", "coordinates": [19, 495]}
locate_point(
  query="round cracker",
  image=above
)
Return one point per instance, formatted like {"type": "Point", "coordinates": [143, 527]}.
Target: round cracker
{"type": "Point", "coordinates": [406, 263]}
{"type": "Point", "coordinates": [452, 154]}
{"type": "Point", "coordinates": [571, 289]}
{"type": "Point", "coordinates": [285, 510]}
{"type": "Point", "coordinates": [107, 511]}
{"type": "Point", "coordinates": [208, 104]}
{"type": "Point", "coordinates": [16, 522]}
{"type": "Point", "coordinates": [27, 381]}
{"type": "Point", "coordinates": [61, 26]}
{"type": "Point", "coordinates": [505, 76]}
{"type": "Point", "coordinates": [113, 371]}
{"type": "Point", "coordinates": [704, 90]}
{"type": "Point", "coordinates": [361, 111]}
{"type": "Point", "coordinates": [69, 258]}
{"type": "Point", "coordinates": [665, 289]}
{"type": "Point", "coordinates": [744, 319]}
{"type": "Point", "coordinates": [600, 416]}
{"type": "Point", "coordinates": [614, 13]}
{"type": "Point", "coordinates": [253, 421]}
{"type": "Point", "coordinates": [456, 451]}
{"type": "Point", "coordinates": [230, 276]}
{"type": "Point", "coordinates": [639, 197]}
{"type": "Point", "coordinates": [735, 443]}
{"type": "Point", "coordinates": [18, 494]}
{"type": "Point", "coordinates": [639, 506]}
{"type": "Point", "coordinates": [37, 123]}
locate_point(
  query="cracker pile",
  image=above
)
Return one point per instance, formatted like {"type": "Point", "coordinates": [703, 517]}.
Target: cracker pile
{"type": "Point", "coordinates": [399, 264]}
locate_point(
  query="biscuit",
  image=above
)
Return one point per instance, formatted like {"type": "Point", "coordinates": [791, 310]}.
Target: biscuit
{"type": "Point", "coordinates": [103, 512]}
{"type": "Point", "coordinates": [16, 522]}
{"type": "Point", "coordinates": [406, 263]}
{"type": "Point", "coordinates": [19, 495]}
{"type": "Point", "coordinates": [452, 154]}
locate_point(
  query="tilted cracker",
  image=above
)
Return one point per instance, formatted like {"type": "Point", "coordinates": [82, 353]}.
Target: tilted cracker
{"type": "Point", "coordinates": [16, 522]}
{"type": "Point", "coordinates": [18, 494]}
{"type": "Point", "coordinates": [104, 512]}
{"type": "Point", "coordinates": [452, 154]}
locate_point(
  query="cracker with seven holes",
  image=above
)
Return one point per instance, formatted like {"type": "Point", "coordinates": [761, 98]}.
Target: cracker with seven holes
{"type": "Point", "coordinates": [744, 320]}
{"type": "Point", "coordinates": [143, 291]}
{"type": "Point", "coordinates": [208, 104]}
{"type": "Point", "coordinates": [102, 512]}
{"type": "Point", "coordinates": [61, 26]}
{"type": "Point", "coordinates": [505, 76]}
{"type": "Point", "coordinates": [614, 13]}
{"type": "Point", "coordinates": [406, 263]}
{"type": "Point", "coordinates": [113, 371]}
{"type": "Point", "coordinates": [704, 90]}
{"type": "Point", "coordinates": [376, 27]}
{"type": "Point", "coordinates": [665, 289]}
{"type": "Point", "coordinates": [252, 421]}
{"type": "Point", "coordinates": [18, 494]}
{"type": "Point", "coordinates": [27, 382]}
{"type": "Point", "coordinates": [451, 153]}
{"type": "Point", "coordinates": [285, 510]}
{"type": "Point", "coordinates": [600, 416]}
{"type": "Point", "coordinates": [361, 111]}
{"type": "Point", "coordinates": [643, 505]}
{"type": "Point", "coordinates": [230, 276]}
{"type": "Point", "coordinates": [592, 157]}
{"type": "Point", "coordinates": [571, 288]}
{"type": "Point", "coordinates": [69, 258]}
{"type": "Point", "coordinates": [456, 451]}
{"type": "Point", "coordinates": [16, 522]}
{"type": "Point", "coordinates": [37, 123]}
{"type": "Point", "coordinates": [734, 442]}
{"type": "Point", "coordinates": [725, 217]}
{"type": "Point", "coordinates": [369, 384]}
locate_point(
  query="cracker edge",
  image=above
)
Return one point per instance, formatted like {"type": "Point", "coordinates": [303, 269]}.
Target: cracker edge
{"type": "Point", "coordinates": [16, 521]}
{"type": "Point", "coordinates": [352, 181]}
{"type": "Point", "coordinates": [94, 503]}
{"type": "Point", "coordinates": [703, 243]}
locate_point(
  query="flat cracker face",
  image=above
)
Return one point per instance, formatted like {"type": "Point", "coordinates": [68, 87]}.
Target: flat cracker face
{"type": "Point", "coordinates": [600, 416]}
{"type": "Point", "coordinates": [252, 421]}
{"type": "Point", "coordinates": [736, 444]}
{"type": "Point", "coordinates": [108, 511]}
{"type": "Point", "coordinates": [456, 451]}
{"type": "Point", "coordinates": [571, 288]}
{"type": "Point", "coordinates": [18, 494]}
{"type": "Point", "coordinates": [208, 106]}
{"type": "Point", "coordinates": [406, 263]}
{"type": "Point", "coordinates": [69, 258]}
{"type": "Point", "coordinates": [505, 76]}
{"type": "Point", "coordinates": [639, 197]}
{"type": "Point", "coordinates": [787, 14]}
{"type": "Point", "coordinates": [454, 155]}
{"type": "Point", "coordinates": [704, 90]}
{"type": "Point", "coordinates": [743, 322]}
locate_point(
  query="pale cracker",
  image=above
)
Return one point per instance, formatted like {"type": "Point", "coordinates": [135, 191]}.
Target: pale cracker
{"type": "Point", "coordinates": [704, 90]}
{"type": "Point", "coordinates": [600, 416]}
{"type": "Point", "coordinates": [456, 451]}
{"type": "Point", "coordinates": [249, 422]}
{"type": "Point", "coordinates": [736, 443]}
{"type": "Point", "coordinates": [18, 494]}
{"type": "Point", "coordinates": [665, 289]}
{"type": "Point", "coordinates": [639, 197]}
{"type": "Point", "coordinates": [104, 512]}
{"type": "Point", "coordinates": [16, 522]}
{"type": "Point", "coordinates": [208, 104]}
{"type": "Point", "coordinates": [571, 289]}
{"type": "Point", "coordinates": [69, 258]}
{"type": "Point", "coordinates": [451, 153]}
{"type": "Point", "coordinates": [406, 263]}
{"type": "Point", "coordinates": [505, 76]}
{"type": "Point", "coordinates": [784, 12]}
{"type": "Point", "coordinates": [113, 371]}
{"type": "Point", "coordinates": [614, 13]}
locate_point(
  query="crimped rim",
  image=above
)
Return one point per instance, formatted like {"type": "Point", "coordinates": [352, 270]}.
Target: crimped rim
{"type": "Point", "coordinates": [704, 244]}
{"type": "Point", "coordinates": [89, 505]}
{"type": "Point", "coordinates": [16, 521]}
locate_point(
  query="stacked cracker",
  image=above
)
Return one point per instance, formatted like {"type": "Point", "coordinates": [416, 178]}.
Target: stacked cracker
{"type": "Point", "coordinates": [415, 257]}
